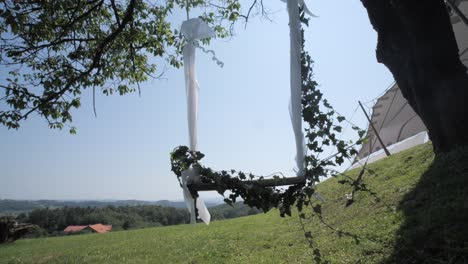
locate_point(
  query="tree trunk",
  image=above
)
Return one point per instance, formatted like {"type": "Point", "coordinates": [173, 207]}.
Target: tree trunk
{"type": "Point", "coordinates": [417, 44]}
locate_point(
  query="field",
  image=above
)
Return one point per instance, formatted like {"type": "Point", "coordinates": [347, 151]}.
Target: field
{"type": "Point", "coordinates": [417, 213]}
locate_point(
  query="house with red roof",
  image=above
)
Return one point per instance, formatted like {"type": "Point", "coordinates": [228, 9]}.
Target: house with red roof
{"type": "Point", "coordinates": [100, 228]}
{"type": "Point", "coordinates": [96, 228]}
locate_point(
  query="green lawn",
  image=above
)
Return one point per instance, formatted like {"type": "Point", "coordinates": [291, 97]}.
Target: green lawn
{"type": "Point", "coordinates": [419, 214]}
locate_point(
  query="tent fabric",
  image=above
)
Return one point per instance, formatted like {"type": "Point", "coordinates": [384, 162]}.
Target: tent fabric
{"type": "Point", "coordinates": [394, 120]}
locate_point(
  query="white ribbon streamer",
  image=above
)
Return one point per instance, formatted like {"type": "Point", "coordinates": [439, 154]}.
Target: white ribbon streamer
{"type": "Point", "coordinates": [203, 213]}
{"type": "Point", "coordinates": [302, 4]}
{"type": "Point", "coordinates": [295, 105]}
{"type": "Point", "coordinates": [193, 30]}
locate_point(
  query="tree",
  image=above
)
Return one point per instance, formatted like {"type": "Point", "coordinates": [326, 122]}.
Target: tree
{"type": "Point", "coordinates": [53, 50]}
{"type": "Point", "coordinates": [417, 44]}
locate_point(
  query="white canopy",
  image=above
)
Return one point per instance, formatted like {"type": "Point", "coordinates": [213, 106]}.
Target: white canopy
{"type": "Point", "coordinates": [394, 120]}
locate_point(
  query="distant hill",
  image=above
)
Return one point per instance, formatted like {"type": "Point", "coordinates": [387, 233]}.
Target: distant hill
{"type": "Point", "coordinates": [15, 207]}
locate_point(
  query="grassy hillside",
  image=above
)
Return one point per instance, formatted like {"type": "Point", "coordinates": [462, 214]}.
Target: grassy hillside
{"type": "Point", "coordinates": [418, 214]}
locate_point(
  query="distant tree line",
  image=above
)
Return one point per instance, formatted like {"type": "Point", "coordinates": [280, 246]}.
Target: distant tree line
{"type": "Point", "coordinates": [225, 211]}
{"type": "Point", "coordinates": [15, 207]}
{"type": "Point", "coordinates": [52, 221]}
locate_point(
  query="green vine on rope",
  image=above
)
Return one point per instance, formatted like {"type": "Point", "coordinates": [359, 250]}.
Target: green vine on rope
{"type": "Point", "coordinates": [321, 131]}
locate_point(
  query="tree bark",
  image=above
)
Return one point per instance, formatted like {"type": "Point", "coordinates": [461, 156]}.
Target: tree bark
{"type": "Point", "coordinates": [417, 44]}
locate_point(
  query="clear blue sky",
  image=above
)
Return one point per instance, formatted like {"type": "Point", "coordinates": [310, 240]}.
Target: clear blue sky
{"type": "Point", "coordinates": [243, 120]}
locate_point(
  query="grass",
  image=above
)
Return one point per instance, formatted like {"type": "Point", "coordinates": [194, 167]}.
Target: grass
{"type": "Point", "coordinates": [418, 215]}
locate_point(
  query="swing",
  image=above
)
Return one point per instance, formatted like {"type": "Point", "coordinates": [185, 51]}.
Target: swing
{"type": "Point", "coordinates": [196, 29]}
{"type": "Point", "coordinates": [201, 187]}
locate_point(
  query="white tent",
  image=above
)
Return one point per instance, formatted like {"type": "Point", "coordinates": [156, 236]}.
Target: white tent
{"type": "Point", "coordinates": [398, 126]}
{"type": "Point", "coordinates": [396, 122]}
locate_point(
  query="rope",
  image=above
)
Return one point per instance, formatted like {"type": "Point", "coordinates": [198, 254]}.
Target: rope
{"type": "Point", "coordinates": [382, 93]}
{"type": "Point", "coordinates": [348, 122]}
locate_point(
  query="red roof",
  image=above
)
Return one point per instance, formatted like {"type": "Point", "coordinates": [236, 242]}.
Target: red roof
{"type": "Point", "coordinates": [98, 228]}
{"type": "Point", "coordinates": [74, 228]}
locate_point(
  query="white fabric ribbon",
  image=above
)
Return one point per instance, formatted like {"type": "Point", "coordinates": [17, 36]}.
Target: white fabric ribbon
{"type": "Point", "coordinates": [193, 30]}
{"type": "Point", "coordinates": [295, 104]}
{"type": "Point", "coordinates": [302, 4]}
{"type": "Point", "coordinates": [203, 213]}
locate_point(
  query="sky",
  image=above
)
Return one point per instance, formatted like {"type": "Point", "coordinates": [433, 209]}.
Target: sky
{"type": "Point", "coordinates": [244, 123]}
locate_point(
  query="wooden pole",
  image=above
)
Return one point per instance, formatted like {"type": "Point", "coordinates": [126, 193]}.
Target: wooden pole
{"type": "Point", "coordinates": [262, 183]}
{"type": "Point", "coordinates": [375, 130]}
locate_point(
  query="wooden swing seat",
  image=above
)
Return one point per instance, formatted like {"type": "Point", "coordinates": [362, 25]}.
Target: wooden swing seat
{"type": "Point", "coordinates": [201, 187]}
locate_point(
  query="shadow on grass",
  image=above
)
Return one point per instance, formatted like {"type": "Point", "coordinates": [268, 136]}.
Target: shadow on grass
{"type": "Point", "coordinates": [435, 227]}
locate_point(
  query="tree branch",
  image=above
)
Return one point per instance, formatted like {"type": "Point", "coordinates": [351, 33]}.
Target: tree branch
{"type": "Point", "coordinates": [95, 63]}
{"type": "Point", "coordinates": [116, 12]}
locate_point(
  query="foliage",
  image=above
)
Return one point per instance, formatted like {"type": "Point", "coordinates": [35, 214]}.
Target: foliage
{"type": "Point", "coordinates": [11, 230]}
{"type": "Point", "coordinates": [321, 131]}
{"type": "Point", "coordinates": [54, 50]}
{"type": "Point", "coordinates": [267, 238]}
{"type": "Point", "coordinates": [16, 207]}
{"type": "Point", "coordinates": [224, 211]}
{"type": "Point", "coordinates": [53, 221]}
